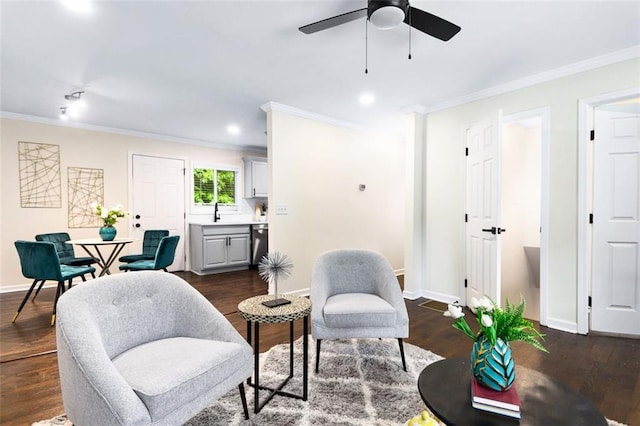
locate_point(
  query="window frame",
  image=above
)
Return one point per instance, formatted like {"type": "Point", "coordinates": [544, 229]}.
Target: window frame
{"type": "Point", "coordinates": [209, 208]}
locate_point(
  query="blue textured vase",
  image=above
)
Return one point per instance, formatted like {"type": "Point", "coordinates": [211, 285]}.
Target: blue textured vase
{"type": "Point", "coordinates": [492, 365]}
{"type": "Point", "coordinates": [108, 233]}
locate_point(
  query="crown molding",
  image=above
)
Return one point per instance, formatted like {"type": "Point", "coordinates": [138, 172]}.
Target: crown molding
{"type": "Point", "coordinates": [124, 132]}
{"type": "Point", "coordinates": [417, 109]}
{"type": "Point", "coordinates": [564, 71]}
{"type": "Point", "coordinates": [275, 106]}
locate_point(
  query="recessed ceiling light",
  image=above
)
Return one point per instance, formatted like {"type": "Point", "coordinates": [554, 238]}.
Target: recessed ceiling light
{"type": "Point", "coordinates": [367, 99]}
{"type": "Point", "coordinates": [80, 6]}
{"type": "Point", "coordinates": [233, 129]}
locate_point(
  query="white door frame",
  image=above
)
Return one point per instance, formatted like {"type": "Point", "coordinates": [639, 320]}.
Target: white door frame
{"type": "Point", "coordinates": [544, 114]}
{"type": "Point", "coordinates": [131, 154]}
{"type": "Point", "coordinates": [586, 109]}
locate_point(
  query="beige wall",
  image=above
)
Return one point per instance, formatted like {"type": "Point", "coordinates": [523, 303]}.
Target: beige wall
{"type": "Point", "coordinates": [445, 180]}
{"type": "Point", "coordinates": [316, 168]}
{"type": "Point", "coordinates": [78, 148]}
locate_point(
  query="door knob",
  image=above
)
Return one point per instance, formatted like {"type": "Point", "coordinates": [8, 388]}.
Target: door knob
{"type": "Point", "coordinates": [493, 230]}
{"type": "Point", "coordinates": [137, 225]}
{"type": "Point", "coordinates": [137, 216]}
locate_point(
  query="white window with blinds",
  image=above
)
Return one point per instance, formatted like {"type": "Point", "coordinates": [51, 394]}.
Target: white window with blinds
{"type": "Point", "coordinates": [215, 184]}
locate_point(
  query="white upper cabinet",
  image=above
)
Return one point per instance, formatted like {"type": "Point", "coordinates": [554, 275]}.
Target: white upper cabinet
{"type": "Point", "coordinates": [255, 177]}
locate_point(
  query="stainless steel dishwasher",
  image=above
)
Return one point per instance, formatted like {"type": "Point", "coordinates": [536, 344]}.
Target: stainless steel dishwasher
{"type": "Point", "coordinates": [259, 242]}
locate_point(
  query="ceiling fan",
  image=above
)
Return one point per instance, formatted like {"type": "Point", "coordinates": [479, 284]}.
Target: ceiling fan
{"type": "Point", "coordinates": [387, 14]}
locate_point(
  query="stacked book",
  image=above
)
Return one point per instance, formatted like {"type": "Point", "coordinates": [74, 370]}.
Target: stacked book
{"type": "Point", "coordinates": [506, 403]}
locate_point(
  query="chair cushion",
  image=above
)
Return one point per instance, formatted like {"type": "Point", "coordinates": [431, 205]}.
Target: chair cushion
{"type": "Point", "coordinates": [139, 265]}
{"type": "Point", "coordinates": [78, 261]}
{"type": "Point", "coordinates": [169, 373]}
{"type": "Point", "coordinates": [135, 257]}
{"type": "Point", "coordinates": [69, 272]}
{"type": "Point", "coordinates": [353, 310]}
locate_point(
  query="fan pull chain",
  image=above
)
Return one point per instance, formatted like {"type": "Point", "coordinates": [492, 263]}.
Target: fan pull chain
{"type": "Point", "coordinates": [366, 46]}
{"type": "Point", "coordinates": [409, 33]}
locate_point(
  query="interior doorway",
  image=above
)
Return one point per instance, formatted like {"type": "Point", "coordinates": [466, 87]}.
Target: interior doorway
{"type": "Point", "coordinates": [615, 258]}
{"type": "Point", "coordinates": [524, 142]}
{"type": "Point", "coordinates": [617, 290]}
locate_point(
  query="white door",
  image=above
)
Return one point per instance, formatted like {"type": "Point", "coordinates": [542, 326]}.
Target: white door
{"type": "Point", "coordinates": [615, 281]}
{"type": "Point", "coordinates": [158, 200]}
{"type": "Point", "coordinates": [483, 212]}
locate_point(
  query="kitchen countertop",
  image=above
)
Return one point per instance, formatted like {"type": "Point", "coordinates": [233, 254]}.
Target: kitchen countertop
{"type": "Point", "coordinates": [228, 223]}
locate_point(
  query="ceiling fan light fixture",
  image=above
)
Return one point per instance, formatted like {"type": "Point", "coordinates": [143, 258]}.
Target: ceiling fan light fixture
{"type": "Point", "coordinates": [387, 14]}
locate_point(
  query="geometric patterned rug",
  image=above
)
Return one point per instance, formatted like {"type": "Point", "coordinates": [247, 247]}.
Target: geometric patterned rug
{"type": "Point", "coordinates": [361, 382]}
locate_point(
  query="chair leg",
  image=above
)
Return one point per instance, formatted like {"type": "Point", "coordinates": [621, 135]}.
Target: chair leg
{"type": "Point", "coordinates": [37, 291]}
{"type": "Point", "coordinates": [83, 278]}
{"type": "Point", "coordinates": [59, 291]}
{"type": "Point", "coordinates": [243, 397]}
{"type": "Point", "coordinates": [318, 353]}
{"type": "Point", "coordinates": [70, 284]}
{"type": "Point", "coordinates": [26, 297]}
{"type": "Point", "coordinates": [93, 275]}
{"type": "Point", "coordinates": [404, 363]}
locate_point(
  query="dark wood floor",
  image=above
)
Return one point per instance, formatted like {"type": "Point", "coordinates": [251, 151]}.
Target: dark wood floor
{"type": "Point", "coordinates": [604, 369]}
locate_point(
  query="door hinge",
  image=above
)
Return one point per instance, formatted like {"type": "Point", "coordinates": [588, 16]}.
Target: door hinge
{"type": "Point", "coordinates": [465, 283]}
{"type": "Point", "coordinates": [589, 301]}
{"type": "Point", "coordinates": [466, 218]}
{"type": "Point", "coordinates": [466, 151]}
{"type": "Point", "coordinates": [592, 135]}
{"type": "Point", "coordinates": [591, 218]}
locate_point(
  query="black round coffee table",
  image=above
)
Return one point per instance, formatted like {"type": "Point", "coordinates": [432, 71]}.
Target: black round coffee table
{"type": "Point", "coordinates": [445, 386]}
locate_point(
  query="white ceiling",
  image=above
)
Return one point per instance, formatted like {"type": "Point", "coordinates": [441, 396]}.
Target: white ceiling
{"type": "Point", "coordinates": [187, 69]}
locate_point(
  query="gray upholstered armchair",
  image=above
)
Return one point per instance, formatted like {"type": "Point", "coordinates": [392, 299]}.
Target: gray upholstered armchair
{"type": "Point", "coordinates": [355, 294]}
{"type": "Point", "coordinates": [145, 349]}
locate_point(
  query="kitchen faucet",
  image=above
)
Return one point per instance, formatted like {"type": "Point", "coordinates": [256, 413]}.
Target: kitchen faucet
{"type": "Point", "coordinates": [216, 213]}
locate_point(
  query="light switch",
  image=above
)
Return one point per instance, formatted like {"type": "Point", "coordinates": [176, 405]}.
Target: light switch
{"type": "Point", "coordinates": [282, 209]}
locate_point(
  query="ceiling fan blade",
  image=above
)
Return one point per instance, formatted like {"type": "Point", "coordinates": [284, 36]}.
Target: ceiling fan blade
{"type": "Point", "coordinates": [334, 21]}
{"type": "Point", "coordinates": [431, 24]}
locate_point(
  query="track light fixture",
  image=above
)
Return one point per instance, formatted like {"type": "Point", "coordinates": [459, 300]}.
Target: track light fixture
{"type": "Point", "coordinates": [76, 98]}
{"type": "Point", "coordinates": [74, 105]}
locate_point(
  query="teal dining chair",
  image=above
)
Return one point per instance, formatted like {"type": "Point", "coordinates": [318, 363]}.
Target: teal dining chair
{"type": "Point", "coordinates": [65, 250]}
{"type": "Point", "coordinates": [164, 257]}
{"type": "Point", "coordinates": [150, 242]}
{"type": "Point", "coordinates": [39, 261]}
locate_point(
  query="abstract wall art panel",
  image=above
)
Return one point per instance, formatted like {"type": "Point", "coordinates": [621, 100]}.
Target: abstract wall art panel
{"type": "Point", "coordinates": [85, 187]}
{"type": "Point", "coordinates": [39, 166]}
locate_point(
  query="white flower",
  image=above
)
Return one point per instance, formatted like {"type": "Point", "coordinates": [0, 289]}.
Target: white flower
{"type": "Point", "coordinates": [104, 214]}
{"type": "Point", "coordinates": [483, 303]}
{"type": "Point", "coordinates": [486, 320]}
{"type": "Point", "coordinates": [454, 311]}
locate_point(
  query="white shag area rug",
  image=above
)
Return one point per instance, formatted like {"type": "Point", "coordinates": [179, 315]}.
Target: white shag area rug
{"type": "Point", "coordinates": [361, 382]}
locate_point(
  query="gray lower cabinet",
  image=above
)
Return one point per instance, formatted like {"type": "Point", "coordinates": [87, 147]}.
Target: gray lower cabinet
{"type": "Point", "coordinates": [219, 248]}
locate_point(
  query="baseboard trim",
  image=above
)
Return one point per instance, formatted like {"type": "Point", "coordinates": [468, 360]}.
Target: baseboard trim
{"type": "Point", "coordinates": [440, 297]}
{"type": "Point", "coordinates": [301, 293]}
{"type": "Point", "coordinates": [25, 287]}
{"type": "Point", "coordinates": [563, 325]}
